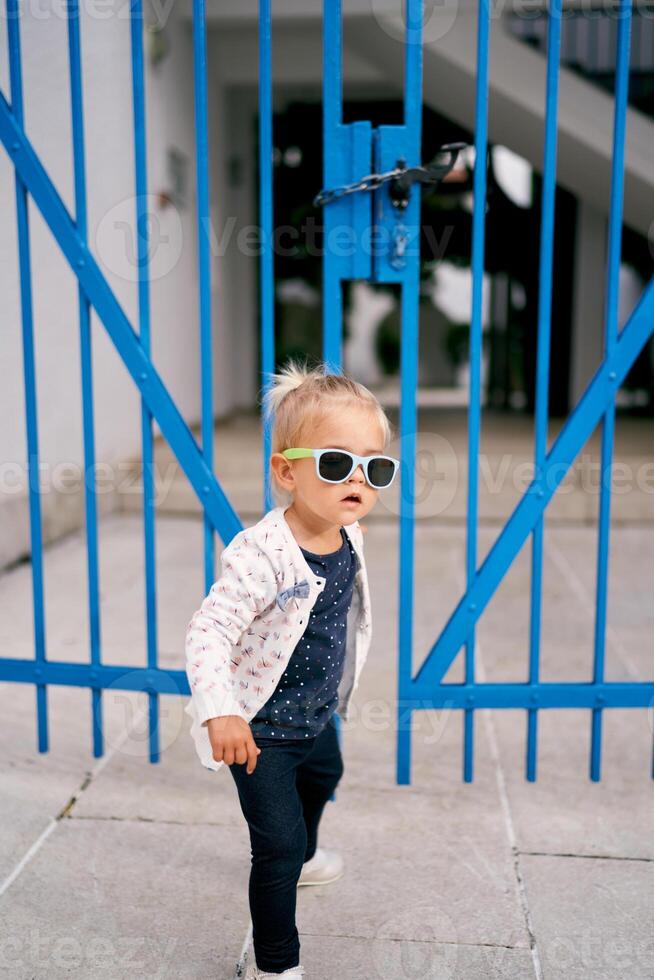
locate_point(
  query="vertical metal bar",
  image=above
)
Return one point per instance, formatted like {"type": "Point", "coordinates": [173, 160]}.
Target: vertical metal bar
{"type": "Point", "coordinates": [142, 243]}
{"type": "Point", "coordinates": [548, 192]}
{"type": "Point", "coordinates": [474, 409]}
{"type": "Point", "coordinates": [610, 340]}
{"type": "Point", "coordinates": [332, 82]}
{"type": "Point", "coordinates": [409, 379]}
{"type": "Point", "coordinates": [408, 426]}
{"type": "Point", "coordinates": [413, 80]}
{"type": "Point", "coordinates": [267, 264]}
{"type": "Point", "coordinates": [79, 165]}
{"type": "Point", "coordinates": [204, 258]}
{"type": "Point", "coordinates": [29, 374]}
{"type": "Point", "coordinates": [332, 296]}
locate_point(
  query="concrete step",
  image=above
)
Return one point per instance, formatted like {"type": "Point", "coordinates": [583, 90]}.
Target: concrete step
{"type": "Point", "coordinates": [441, 482]}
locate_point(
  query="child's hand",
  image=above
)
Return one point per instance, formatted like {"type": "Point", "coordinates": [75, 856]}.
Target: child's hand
{"type": "Point", "coordinates": [231, 741]}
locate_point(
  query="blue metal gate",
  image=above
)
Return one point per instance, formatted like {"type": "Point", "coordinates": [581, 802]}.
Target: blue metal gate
{"type": "Point", "coordinates": [352, 152]}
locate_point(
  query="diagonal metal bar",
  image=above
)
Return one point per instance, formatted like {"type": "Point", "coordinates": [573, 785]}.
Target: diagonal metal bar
{"type": "Point", "coordinates": [155, 394]}
{"type": "Point", "coordinates": [572, 437]}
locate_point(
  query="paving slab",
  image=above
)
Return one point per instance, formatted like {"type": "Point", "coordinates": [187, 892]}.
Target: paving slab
{"type": "Point", "coordinates": [401, 959]}
{"type": "Point", "coordinates": [592, 917]}
{"type": "Point", "coordinates": [122, 898]}
{"type": "Point", "coordinates": [402, 851]}
{"type": "Point", "coordinates": [38, 786]}
{"type": "Point", "coordinates": [563, 811]}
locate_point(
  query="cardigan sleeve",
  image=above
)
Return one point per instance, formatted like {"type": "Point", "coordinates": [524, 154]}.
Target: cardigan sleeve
{"type": "Point", "coordinates": [245, 588]}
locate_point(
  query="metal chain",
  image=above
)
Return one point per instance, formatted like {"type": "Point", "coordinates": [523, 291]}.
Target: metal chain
{"type": "Point", "coordinates": [369, 183]}
{"type": "Point", "coordinates": [432, 173]}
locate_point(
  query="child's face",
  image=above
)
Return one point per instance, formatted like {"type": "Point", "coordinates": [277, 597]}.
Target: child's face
{"type": "Point", "coordinates": [352, 428]}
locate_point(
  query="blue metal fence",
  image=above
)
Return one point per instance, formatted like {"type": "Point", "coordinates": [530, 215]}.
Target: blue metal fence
{"type": "Point", "coordinates": [385, 239]}
{"type": "Point", "coordinates": [134, 350]}
{"type": "Point", "coordinates": [596, 405]}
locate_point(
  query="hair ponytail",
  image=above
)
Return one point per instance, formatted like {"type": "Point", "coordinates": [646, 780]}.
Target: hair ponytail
{"type": "Point", "coordinates": [291, 376]}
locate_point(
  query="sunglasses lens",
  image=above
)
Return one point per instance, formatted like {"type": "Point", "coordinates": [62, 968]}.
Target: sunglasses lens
{"type": "Point", "coordinates": [335, 466]}
{"type": "Point", "coordinates": [381, 471]}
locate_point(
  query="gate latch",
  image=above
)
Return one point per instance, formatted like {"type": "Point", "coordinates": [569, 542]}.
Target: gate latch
{"type": "Point", "coordinates": [401, 178]}
{"type": "Point", "coordinates": [431, 173]}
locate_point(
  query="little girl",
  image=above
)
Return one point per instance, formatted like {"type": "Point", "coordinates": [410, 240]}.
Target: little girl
{"type": "Point", "coordinates": [278, 644]}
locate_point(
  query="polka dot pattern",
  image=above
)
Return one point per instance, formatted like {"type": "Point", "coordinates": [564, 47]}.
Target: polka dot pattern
{"type": "Point", "coordinates": [307, 693]}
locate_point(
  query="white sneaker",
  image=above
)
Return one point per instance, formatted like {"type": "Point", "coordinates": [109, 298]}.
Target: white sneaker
{"type": "Point", "coordinates": [323, 867]}
{"type": "Point", "coordinates": [293, 973]}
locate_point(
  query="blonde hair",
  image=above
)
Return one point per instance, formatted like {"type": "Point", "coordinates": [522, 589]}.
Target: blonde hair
{"type": "Point", "coordinates": [298, 397]}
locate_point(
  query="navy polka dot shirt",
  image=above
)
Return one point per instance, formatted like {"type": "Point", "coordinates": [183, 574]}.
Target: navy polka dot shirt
{"type": "Point", "coordinates": [306, 695]}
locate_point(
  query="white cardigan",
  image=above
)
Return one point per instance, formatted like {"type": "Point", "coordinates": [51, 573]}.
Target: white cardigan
{"type": "Point", "coordinates": [240, 640]}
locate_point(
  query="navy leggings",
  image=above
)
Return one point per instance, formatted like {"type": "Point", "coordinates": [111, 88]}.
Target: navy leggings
{"type": "Point", "coordinates": [282, 801]}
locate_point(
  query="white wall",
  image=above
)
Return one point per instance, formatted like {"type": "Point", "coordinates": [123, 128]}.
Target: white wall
{"type": "Point", "coordinates": [110, 190]}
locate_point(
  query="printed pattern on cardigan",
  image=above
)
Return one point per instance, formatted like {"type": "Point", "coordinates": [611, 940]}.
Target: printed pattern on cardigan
{"type": "Point", "coordinates": [238, 643]}
{"type": "Point", "coordinates": [307, 693]}
{"type": "Point", "coordinates": [246, 588]}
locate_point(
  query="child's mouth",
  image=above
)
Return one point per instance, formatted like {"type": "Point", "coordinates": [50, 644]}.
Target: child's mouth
{"type": "Point", "coordinates": [351, 499]}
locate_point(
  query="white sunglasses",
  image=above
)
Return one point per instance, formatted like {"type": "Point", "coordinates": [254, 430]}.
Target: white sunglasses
{"type": "Point", "coordinates": [337, 465]}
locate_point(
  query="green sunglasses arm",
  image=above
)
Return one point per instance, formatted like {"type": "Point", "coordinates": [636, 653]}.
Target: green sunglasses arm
{"type": "Point", "coordinates": [297, 453]}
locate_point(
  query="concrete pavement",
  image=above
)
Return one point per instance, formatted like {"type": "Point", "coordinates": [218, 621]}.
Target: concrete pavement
{"type": "Point", "coordinates": [110, 867]}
